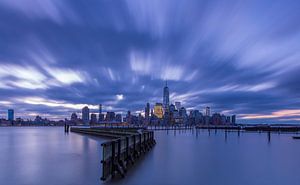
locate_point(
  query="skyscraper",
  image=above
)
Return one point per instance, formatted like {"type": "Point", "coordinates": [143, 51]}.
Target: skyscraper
{"type": "Point", "coordinates": [10, 114]}
{"type": "Point", "coordinates": [93, 118]}
{"type": "Point", "coordinates": [166, 99]}
{"type": "Point", "coordinates": [73, 116]}
{"type": "Point", "coordinates": [158, 110]}
{"type": "Point", "coordinates": [147, 112]}
{"type": "Point", "coordinates": [86, 115]}
{"type": "Point", "coordinates": [178, 105]}
{"type": "Point", "coordinates": [119, 118]}
{"type": "Point", "coordinates": [110, 116]}
{"type": "Point", "coordinates": [101, 116]}
{"type": "Point", "coordinates": [207, 111]}
{"type": "Point", "coordinates": [128, 118]}
{"type": "Point", "coordinates": [233, 119]}
{"type": "Point", "coordinates": [172, 108]}
{"type": "Point", "coordinates": [100, 109]}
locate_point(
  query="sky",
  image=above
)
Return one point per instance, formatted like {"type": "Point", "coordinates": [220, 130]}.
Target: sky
{"type": "Point", "coordinates": [238, 57]}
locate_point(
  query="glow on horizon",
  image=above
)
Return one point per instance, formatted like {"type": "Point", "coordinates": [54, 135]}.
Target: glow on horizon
{"type": "Point", "coordinates": [53, 103]}
{"type": "Point", "coordinates": [283, 114]}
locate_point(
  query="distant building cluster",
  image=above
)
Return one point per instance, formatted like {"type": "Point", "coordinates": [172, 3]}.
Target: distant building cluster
{"type": "Point", "coordinates": [161, 114]}
{"type": "Point", "coordinates": [169, 114]}
{"type": "Point", "coordinates": [37, 121]}
{"type": "Point", "coordinates": [88, 118]}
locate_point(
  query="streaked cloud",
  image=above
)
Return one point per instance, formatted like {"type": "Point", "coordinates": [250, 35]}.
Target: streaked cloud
{"type": "Point", "coordinates": [22, 76]}
{"type": "Point", "coordinates": [238, 57]}
{"type": "Point", "coordinates": [120, 97]}
{"type": "Point", "coordinates": [54, 103]}
{"type": "Point", "coordinates": [158, 67]}
{"type": "Point", "coordinates": [65, 76]}
{"type": "Point", "coordinates": [55, 10]}
{"type": "Point", "coordinates": [285, 115]}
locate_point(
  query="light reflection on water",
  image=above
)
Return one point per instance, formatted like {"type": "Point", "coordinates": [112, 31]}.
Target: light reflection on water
{"type": "Point", "coordinates": [48, 156]}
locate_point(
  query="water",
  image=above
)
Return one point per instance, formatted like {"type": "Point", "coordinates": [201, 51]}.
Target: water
{"type": "Point", "coordinates": [48, 156]}
{"type": "Point", "coordinates": [42, 156]}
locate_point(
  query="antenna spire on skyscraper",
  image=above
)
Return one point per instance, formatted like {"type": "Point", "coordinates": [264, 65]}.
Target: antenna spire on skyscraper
{"type": "Point", "coordinates": [166, 98]}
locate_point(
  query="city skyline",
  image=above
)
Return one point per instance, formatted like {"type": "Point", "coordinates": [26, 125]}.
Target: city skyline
{"type": "Point", "coordinates": [166, 109]}
{"type": "Point", "coordinates": [237, 58]}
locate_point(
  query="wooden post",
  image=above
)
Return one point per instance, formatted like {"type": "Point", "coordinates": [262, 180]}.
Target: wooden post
{"type": "Point", "coordinates": [119, 150]}
{"type": "Point", "coordinates": [127, 147]}
{"type": "Point", "coordinates": [140, 136]}
{"type": "Point", "coordinates": [144, 143]}
{"type": "Point", "coordinates": [113, 159]}
{"type": "Point", "coordinates": [134, 146]}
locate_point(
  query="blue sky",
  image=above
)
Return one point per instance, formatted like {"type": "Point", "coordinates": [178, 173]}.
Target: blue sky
{"type": "Point", "coordinates": [239, 57]}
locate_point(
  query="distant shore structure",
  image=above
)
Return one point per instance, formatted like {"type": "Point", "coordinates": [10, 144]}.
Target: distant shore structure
{"type": "Point", "coordinates": [163, 113]}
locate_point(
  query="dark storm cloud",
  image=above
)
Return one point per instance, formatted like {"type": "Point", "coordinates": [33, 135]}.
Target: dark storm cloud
{"type": "Point", "coordinates": [239, 57]}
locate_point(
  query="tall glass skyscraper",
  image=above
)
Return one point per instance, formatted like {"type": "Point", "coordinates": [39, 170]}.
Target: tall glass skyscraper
{"type": "Point", "coordinates": [86, 115]}
{"type": "Point", "coordinates": [166, 99]}
{"type": "Point", "coordinates": [10, 114]}
{"type": "Point", "coordinates": [147, 112]}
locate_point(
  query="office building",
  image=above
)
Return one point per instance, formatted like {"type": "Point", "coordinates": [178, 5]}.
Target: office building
{"type": "Point", "coordinates": [93, 118]}
{"type": "Point", "coordinates": [166, 99]}
{"type": "Point", "coordinates": [207, 111]}
{"type": "Point", "coordinates": [233, 119]}
{"type": "Point", "coordinates": [10, 114]}
{"type": "Point", "coordinates": [182, 112]}
{"type": "Point", "coordinates": [147, 112]}
{"type": "Point", "coordinates": [100, 109]}
{"type": "Point", "coordinates": [74, 117]}
{"type": "Point", "coordinates": [172, 108]}
{"type": "Point", "coordinates": [101, 117]}
{"type": "Point", "coordinates": [178, 105]}
{"type": "Point", "coordinates": [110, 116]}
{"type": "Point", "coordinates": [86, 115]}
{"type": "Point", "coordinates": [158, 110]}
{"type": "Point", "coordinates": [119, 118]}
{"type": "Point", "coordinates": [128, 118]}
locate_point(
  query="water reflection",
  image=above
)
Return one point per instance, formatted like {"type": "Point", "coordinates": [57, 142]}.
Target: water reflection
{"type": "Point", "coordinates": [42, 155]}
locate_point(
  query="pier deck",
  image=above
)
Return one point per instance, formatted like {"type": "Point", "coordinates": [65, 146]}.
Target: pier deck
{"type": "Point", "coordinates": [126, 146]}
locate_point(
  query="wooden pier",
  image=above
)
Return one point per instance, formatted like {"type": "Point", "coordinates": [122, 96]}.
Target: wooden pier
{"type": "Point", "coordinates": [126, 146]}
{"type": "Point", "coordinates": [170, 127]}
{"type": "Point", "coordinates": [253, 128]}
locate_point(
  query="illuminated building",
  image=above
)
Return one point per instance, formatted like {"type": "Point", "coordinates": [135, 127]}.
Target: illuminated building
{"type": "Point", "coordinates": [158, 110]}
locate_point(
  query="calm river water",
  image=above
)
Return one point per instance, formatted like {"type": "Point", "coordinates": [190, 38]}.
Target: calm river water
{"type": "Point", "coordinates": [48, 156]}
